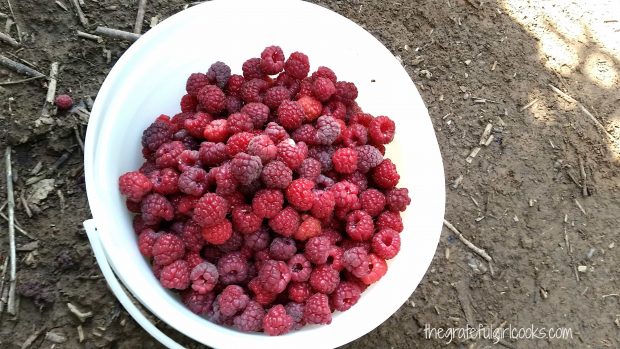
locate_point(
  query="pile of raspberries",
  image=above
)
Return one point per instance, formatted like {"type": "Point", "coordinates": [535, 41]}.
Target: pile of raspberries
{"type": "Point", "coordinates": [267, 202]}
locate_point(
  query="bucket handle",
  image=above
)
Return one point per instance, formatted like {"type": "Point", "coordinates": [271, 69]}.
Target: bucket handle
{"type": "Point", "coordinates": [117, 289]}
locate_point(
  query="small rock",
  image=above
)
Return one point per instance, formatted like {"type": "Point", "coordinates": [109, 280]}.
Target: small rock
{"type": "Point", "coordinates": [468, 62]}
{"type": "Point", "coordinates": [582, 268]}
{"type": "Point", "coordinates": [54, 337]}
{"type": "Point", "coordinates": [590, 253]}
{"type": "Point", "coordinates": [526, 242]}
{"type": "Point", "coordinates": [41, 190]}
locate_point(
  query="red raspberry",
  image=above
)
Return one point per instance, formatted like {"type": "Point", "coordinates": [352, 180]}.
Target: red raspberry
{"type": "Point", "coordinates": [372, 201]}
{"type": "Point", "coordinates": [297, 65]}
{"type": "Point", "coordinates": [292, 154]}
{"type": "Point", "coordinates": [336, 109]}
{"type": "Point", "coordinates": [184, 137]}
{"type": "Point", "coordinates": [238, 143]}
{"type": "Point", "coordinates": [253, 90]}
{"type": "Point", "coordinates": [359, 225]}
{"type": "Point", "coordinates": [286, 222]}
{"type": "Point", "coordinates": [233, 243]}
{"type": "Point", "coordinates": [215, 315]}
{"type": "Point", "coordinates": [218, 74]}
{"type": "Point", "coordinates": [260, 257]}
{"type": "Point", "coordinates": [309, 228]}
{"type": "Point", "coordinates": [139, 225]}
{"type": "Point", "coordinates": [188, 159]}
{"type": "Point", "coordinates": [211, 253]}
{"type": "Point", "coordinates": [323, 205]}
{"type": "Point", "coordinates": [305, 133]}
{"type": "Point", "coordinates": [233, 268]}
{"type": "Point", "coordinates": [195, 124]}
{"type": "Point", "coordinates": [267, 202]}
{"type": "Point", "coordinates": [211, 209]}
{"type": "Point", "coordinates": [346, 91]}
{"type": "Point", "coordinates": [196, 302]}
{"type": "Point", "coordinates": [317, 249]}
{"type": "Point", "coordinates": [232, 300]}
{"type": "Point", "coordinates": [324, 155]}
{"type": "Point", "coordinates": [305, 88]}
{"type": "Point", "coordinates": [368, 157]}
{"type": "Point", "coordinates": [251, 69]}
{"type": "Point", "coordinates": [358, 179]}
{"type": "Point", "coordinates": [185, 205]}
{"type": "Point", "coordinates": [246, 168]}
{"type": "Point", "coordinates": [299, 291]}
{"type": "Point", "coordinates": [167, 249]}
{"type": "Point", "coordinates": [299, 194]}
{"type": "Point", "coordinates": [216, 131]}
{"type": "Point", "coordinates": [385, 175]}
{"type": "Point", "coordinates": [276, 175]}
{"type": "Point", "coordinates": [175, 275]}
{"type": "Point", "coordinates": [345, 160]}
{"type": "Point", "coordinates": [355, 135]}
{"type": "Point", "coordinates": [193, 181]}
{"type": "Point", "coordinates": [263, 147]}
{"type": "Point", "coordinates": [251, 319]}
{"type": "Point", "coordinates": [381, 130]}
{"type": "Point", "coordinates": [277, 321]}
{"type": "Point", "coordinates": [317, 309]}
{"type": "Point", "coordinates": [324, 72]}
{"type": "Point", "coordinates": [156, 207]}
{"type": "Point", "coordinates": [157, 269]}
{"type": "Point", "coordinates": [146, 240]}
{"type": "Point", "coordinates": [333, 235]}
{"type": "Point", "coordinates": [272, 60]}
{"type": "Point", "coordinates": [363, 119]}
{"type": "Point", "coordinates": [334, 259]}
{"type": "Point", "coordinates": [239, 122]}
{"type": "Point", "coordinates": [155, 135]}
{"type": "Point", "coordinates": [165, 181]}
{"type": "Point", "coordinates": [233, 104]}
{"type": "Point", "coordinates": [258, 240]}
{"type": "Point", "coordinates": [290, 115]}
{"type": "Point", "coordinates": [245, 220]}
{"type": "Point", "coordinates": [398, 199]}
{"type": "Point", "coordinates": [258, 112]}
{"type": "Point", "coordinates": [212, 154]}
{"type": "Point", "coordinates": [348, 244]}
{"type": "Point", "coordinates": [296, 311]}
{"type": "Point", "coordinates": [323, 88]}
{"type": "Point", "coordinates": [204, 277]}
{"type": "Point", "coordinates": [195, 82]}
{"type": "Point", "coordinates": [274, 276]}
{"type": "Point", "coordinates": [134, 185]}
{"type": "Point", "coordinates": [343, 128]}
{"type": "Point", "coordinates": [193, 259]}
{"type": "Point", "coordinates": [275, 95]}
{"type": "Point", "coordinates": [168, 153]}
{"type": "Point", "coordinates": [300, 268]}
{"type": "Point", "coordinates": [282, 249]}
{"type": "Point", "coordinates": [276, 132]}
{"type": "Point", "coordinates": [328, 130]}
{"type": "Point", "coordinates": [233, 86]}
{"type": "Point", "coordinates": [188, 103]}
{"type": "Point", "coordinates": [345, 296]}
{"type": "Point", "coordinates": [261, 296]}
{"type": "Point", "coordinates": [63, 102]}
{"type": "Point", "coordinates": [357, 261]}
{"type": "Point", "coordinates": [345, 194]}
{"type": "Point", "coordinates": [386, 243]}
{"type": "Point", "coordinates": [312, 107]}
{"type": "Point", "coordinates": [310, 169]}
{"type": "Point", "coordinates": [324, 279]}
{"type": "Point", "coordinates": [191, 234]}
{"type": "Point", "coordinates": [218, 233]}
{"type": "Point", "coordinates": [378, 268]}
{"type": "Point", "coordinates": [212, 99]}
{"type": "Point", "coordinates": [225, 182]}
{"type": "Point", "coordinates": [178, 120]}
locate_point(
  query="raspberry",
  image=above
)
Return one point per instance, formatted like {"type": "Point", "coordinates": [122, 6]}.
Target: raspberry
{"type": "Point", "coordinates": [251, 319]}
{"type": "Point", "coordinates": [217, 233]}
{"type": "Point", "coordinates": [276, 174]}
{"type": "Point", "coordinates": [188, 159]}
{"type": "Point", "coordinates": [378, 268]}
{"type": "Point", "coordinates": [193, 181]}
{"type": "Point", "coordinates": [216, 131]}
{"type": "Point", "coordinates": [232, 300]}
{"type": "Point", "coordinates": [311, 106]}
{"type": "Point", "coordinates": [398, 199]}
{"type": "Point", "coordinates": [346, 91]}
{"type": "Point", "coordinates": [358, 179]}
{"type": "Point", "coordinates": [251, 69]}
{"type": "Point", "coordinates": [290, 115]}
{"type": "Point", "coordinates": [168, 153]}
{"type": "Point", "coordinates": [196, 302]}
{"type": "Point", "coordinates": [345, 296]}
{"type": "Point", "coordinates": [316, 310]}
{"type": "Point", "coordinates": [317, 249]}
{"type": "Point", "coordinates": [215, 315]}
{"type": "Point", "coordinates": [385, 175]}
{"type": "Point", "coordinates": [267, 202]}
{"type": "Point", "coordinates": [309, 228]}
{"type": "Point", "coordinates": [276, 132]}
{"type": "Point", "coordinates": [297, 65]}
{"type": "Point", "coordinates": [299, 291]}
{"type": "Point", "coordinates": [324, 279]}
{"type": "Point", "coordinates": [386, 243]}
{"type": "Point", "coordinates": [233, 104]}
{"type": "Point", "coordinates": [348, 244]}
{"type": "Point", "coordinates": [261, 257]}
{"type": "Point", "coordinates": [274, 276]}
{"type": "Point", "coordinates": [155, 135]}
{"type": "Point", "coordinates": [345, 194]}
{"type": "Point", "coordinates": [193, 259]}
{"type": "Point", "coordinates": [282, 249]}
{"type": "Point", "coordinates": [212, 154]}
{"type": "Point", "coordinates": [310, 169]}
{"type": "Point", "coordinates": [225, 183]}
{"type": "Point", "coordinates": [204, 277]}
{"type": "Point", "coordinates": [324, 155]}
{"type": "Point", "coordinates": [305, 88]}
{"type": "Point", "coordinates": [195, 124]}
{"type": "Point", "coordinates": [192, 236]}
{"type": "Point", "coordinates": [164, 181]}
{"type": "Point", "coordinates": [324, 72]}
{"type": "Point", "coordinates": [336, 109]}
{"type": "Point", "coordinates": [211, 253]}
{"type": "Point", "coordinates": [218, 74]}
{"type": "Point", "coordinates": [233, 86]}
{"type": "Point", "coordinates": [258, 113]}
{"type": "Point", "coordinates": [244, 220]}
{"type": "Point", "coordinates": [212, 99]}
{"type": "Point", "coordinates": [257, 240]}
{"type": "Point", "coordinates": [277, 321]}
{"type": "Point", "coordinates": [167, 249]}
{"type": "Point", "coordinates": [363, 119]}
{"type": "Point", "coordinates": [134, 185]}
{"type": "Point", "coordinates": [272, 60]}
{"type": "Point", "coordinates": [253, 90]}
{"type": "Point", "coordinates": [211, 209]}
{"type": "Point", "coordinates": [299, 194]}
{"type": "Point", "coordinates": [292, 154]}
{"type": "Point", "coordinates": [359, 225]}
{"type": "Point", "coordinates": [156, 207]}
{"type": "Point", "coordinates": [286, 222]}
{"type": "Point", "coordinates": [324, 183]}
{"type": "Point", "coordinates": [305, 133]}
{"type": "Point", "coordinates": [157, 269]}
{"type": "Point", "coordinates": [345, 160]}
{"type": "Point", "coordinates": [233, 243]}
{"type": "Point", "coordinates": [261, 296]}
{"type": "Point", "coordinates": [333, 235]}
{"type": "Point", "coordinates": [188, 103]}
{"type": "Point", "coordinates": [300, 268]}
{"type": "Point", "coordinates": [185, 205]}
{"type": "Point", "coordinates": [334, 259]}
{"type": "Point", "coordinates": [63, 102]}
{"type": "Point", "coordinates": [274, 96]}
{"type": "Point", "coordinates": [175, 275]}
{"type": "Point", "coordinates": [263, 147]}
{"type": "Point", "coordinates": [381, 130]}
{"type": "Point", "coordinates": [238, 143]}
{"type": "Point", "coordinates": [368, 157]}
{"type": "Point", "coordinates": [356, 260]}
{"type": "Point", "coordinates": [246, 168]}
{"type": "Point", "coordinates": [323, 205]}
{"type": "Point", "coordinates": [355, 135]}
{"type": "Point", "coordinates": [296, 311]}
{"type": "Point", "coordinates": [178, 120]}
{"type": "Point", "coordinates": [239, 122]}
{"type": "Point", "coordinates": [328, 130]}
{"type": "Point", "coordinates": [372, 201]}
{"type": "Point", "coordinates": [323, 88]}
{"type": "Point", "coordinates": [146, 240]}
{"type": "Point", "coordinates": [139, 225]}
{"type": "Point", "coordinates": [232, 268]}
{"type": "Point", "coordinates": [195, 82]}
{"type": "Point", "coordinates": [184, 137]}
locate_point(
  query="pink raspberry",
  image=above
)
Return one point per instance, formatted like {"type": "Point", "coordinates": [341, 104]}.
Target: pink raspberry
{"type": "Point", "coordinates": [312, 107]}
{"type": "Point", "coordinates": [282, 249]}
{"type": "Point", "coordinates": [245, 220]}
{"type": "Point", "coordinates": [276, 132]}
{"type": "Point", "coordinates": [372, 201]}
{"type": "Point", "coordinates": [378, 268]}
{"type": "Point", "coordinates": [251, 69]}
{"type": "Point", "coordinates": [258, 240]}
{"type": "Point", "coordinates": [345, 296]}
{"type": "Point", "coordinates": [275, 95]}
{"type": "Point", "coordinates": [239, 122]}
{"type": "Point", "coordinates": [272, 60]}
{"type": "Point", "coordinates": [195, 124]}
{"type": "Point", "coordinates": [323, 88]}
{"type": "Point", "coordinates": [299, 194]}
{"type": "Point", "coordinates": [246, 168]}
{"type": "Point", "coordinates": [196, 302]}
{"type": "Point", "coordinates": [292, 154]}
{"type": "Point", "coordinates": [290, 115]}
{"type": "Point", "coordinates": [359, 225]}
{"type": "Point", "coordinates": [167, 249]}
{"type": "Point", "coordinates": [346, 91]}
{"type": "Point", "coordinates": [165, 181]}
{"type": "Point", "coordinates": [195, 82]}
{"type": "Point", "coordinates": [381, 130]}
{"type": "Point", "coordinates": [300, 268]}
{"type": "Point", "coordinates": [358, 179]}
{"type": "Point", "coordinates": [253, 90]}
{"type": "Point", "coordinates": [333, 235]}
{"type": "Point", "coordinates": [317, 249]}
{"type": "Point", "coordinates": [146, 241]}
{"type": "Point", "coordinates": [168, 153]}
{"type": "Point", "coordinates": [345, 160]}
{"type": "Point", "coordinates": [193, 259]}
{"type": "Point", "coordinates": [305, 88]}
{"type": "Point", "coordinates": [317, 309]}
{"type": "Point", "coordinates": [212, 154]}
{"type": "Point", "coordinates": [233, 268]}
{"type": "Point", "coordinates": [175, 275]}
{"type": "Point", "coordinates": [297, 65]}
{"type": "Point", "coordinates": [211, 209]}
{"type": "Point", "coordinates": [345, 194]}
{"type": "Point", "coordinates": [357, 261]}
{"type": "Point", "coordinates": [193, 181]}
{"type": "Point", "coordinates": [134, 185]}
{"type": "Point", "coordinates": [251, 319]}
{"type": "Point", "coordinates": [156, 207]}
{"type": "Point", "coordinates": [218, 74]}
{"type": "Point", "coordinates": [385, 175]}
{"type": "Point", "coordinates": [63, 102]}
{"type": "Point", "coordinates": [310, 169]}
{"type": "Point", "coordinates": [238, 143]}
{"type": "Point", "coordinates": [204, 277]}
{"type": "Point", "coordinates": [263, 147]}
{"type": "Point", "coordinates": [258, 112]}
{"type": "Point", "coordinates": [355, 135]}
{"type": "Point", "coordinates": [274, 276]}
{"type": "Point", "coordinates": [276, 175]}
{"type": "Point", "coordinates": [217, 233]}
{"type": "Point", "coordinates": [328, 130]}
{"type": "Point", "coordinates": [323, 205]}
{"type": "Point", "coordinates": [335, 108]}
{"type": "Point", "coordinates": [187, 159]}
{"type": "Point", "coordinates": [233, 86]}
{"type": "Point", "coordinates": [310, 227]}
{"type": "Point", "coordinates": [324, 279]}
{"type": "Point", "coordinates": [368, 157]}
{"type": "Point", "coordinates": [212, 99]}
{"type": "Point", "coordinates": [232, 300]}
{"type": "Point", "coordinates": [299, 291]}
{"type": "Point", "coordinates": [225, 182]}
{"type": "Point", "coordinates": [156, 134]}
{"type": "Point", "coordinates": [398, 199]}
{"type": "Point", "coordinates": [285, 222]}
{"type": "Point", "coordinates": [334, 259]}
{"type": "Point", "coordinates": [267, 202]}
{"type": "Point", "coordinates": [277, 321]}
{"type": "Point", "coordinates": [324, 72]}
{"type": "Point", "coordinates": [216, 131]}
{"type": "Point", "coordinates": [386, 243]}
{"type": "Point", "coordinates": [215, 314]}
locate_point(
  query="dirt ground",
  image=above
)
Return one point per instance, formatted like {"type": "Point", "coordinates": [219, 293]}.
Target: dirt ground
{"type": "Point", "coordinates": [554, 246]}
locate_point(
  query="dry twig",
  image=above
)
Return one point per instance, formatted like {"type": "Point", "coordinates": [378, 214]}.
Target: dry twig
{"type": "Point", "coordinates": [19, 68]}
{"type": "Point", "coordinates": [137, 28]}
{"type": "Point", "coordinates": [19, 31]}
{"type": "Point", "coordinates": [6, 83]}
{"type": "Point", "coordinates": [80, 13]}
{"type": "Point", "coordinates": [11, 199]}
{"type": "Point", "coordinates": [116, 33]}
{"type": "Point", "coordinates": [8, 39]}
{"type": "Point", "coordinates": [88, 36]}
{"type": "Point", "coordinates": [468, 243]}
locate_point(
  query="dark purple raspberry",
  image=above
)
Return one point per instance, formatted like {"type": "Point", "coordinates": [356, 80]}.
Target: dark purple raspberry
{"type": "Point", "coordinates": [258, 240]}
{"type": "Point", "coordinates": [246, 168]}
{"type": "Point", "coordinates": [225, 182]}
{"type": "Point", "coordinates": [282, 249]}
{"type": "Point", "coordinates": [233, 268]}
{"type": "Point", "coordinates": [156, 134]}
{"type": "Point", "coordinates": [192, 236]}
{"type": "Point", "coordinates": [274, 276]}
{"type": "Point", "coordinates": [346, 91]}
{"type": "Point", "coordinates": [296, 312]}
{"type": "Point", "coordinates": [324, 155]}
{"type": "Point", "coordinates": [277, 175]}
{"type": "Point", "coordinates": [233, 243]}
{"type": "Point", "coordinates": [193, 181]}
{"type": "Point", "coordinates": [233, 104]}
{"type": "Point", "coordinates": [357, 178]}
{"type": "Point", "coordinates": [323, 182]}
{"type": "Point", "coordinates": [156, 207]}
{"type": "Point", "coordinates": [253, 91]}
{"type": "Point", "coordinates": [204, 277]}
{"type": "Point", "coordinates": [232, 300]}
{"type": "Point", "coordinates": [198, 303]}
{"type": "Point", "coordinates": [272, 60]}
{"type": "Point", "coordinates": [218, 74]}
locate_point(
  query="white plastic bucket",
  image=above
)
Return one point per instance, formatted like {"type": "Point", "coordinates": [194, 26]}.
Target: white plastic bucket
{"type": "Point", "coordinates": [149, 80]}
